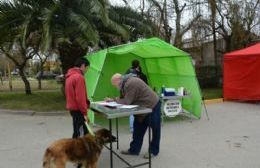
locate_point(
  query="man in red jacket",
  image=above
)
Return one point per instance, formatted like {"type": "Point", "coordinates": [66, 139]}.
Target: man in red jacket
{"type": "Point", "coordinates": [76, 96]}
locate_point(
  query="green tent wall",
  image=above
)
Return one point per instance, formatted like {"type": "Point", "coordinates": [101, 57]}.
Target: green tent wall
{"type": "Point", "coordinates": [161, 62]}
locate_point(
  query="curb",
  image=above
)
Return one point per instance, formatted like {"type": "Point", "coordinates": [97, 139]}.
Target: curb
{"type": "Point", "coordinates": [211, 101]}
{"type": "Point", "coordinates": [62, 113]}
{"type": "Point", "coordinates": [33, 113]}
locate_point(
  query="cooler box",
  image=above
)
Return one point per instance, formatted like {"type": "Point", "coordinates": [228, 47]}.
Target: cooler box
{"type": "Point", "coordinates": [169, 92]}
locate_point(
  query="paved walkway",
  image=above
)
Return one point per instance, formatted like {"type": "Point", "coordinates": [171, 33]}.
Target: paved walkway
{"type": "Point", "coordinates": [230, 139]}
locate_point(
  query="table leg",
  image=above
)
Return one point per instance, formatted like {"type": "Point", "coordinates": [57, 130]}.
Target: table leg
{"type": "Point", "coordinates": [149, 139]}
{"type": "Point", "coordinates": [111, 145]}
{"type": "Point", "coordinates": [117, 137]}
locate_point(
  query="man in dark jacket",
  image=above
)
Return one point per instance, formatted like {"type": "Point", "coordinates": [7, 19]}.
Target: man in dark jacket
{"type": "Point", "coordinates": [76, 96]}
{"type": "Point", "coordinates": [137, 70]}
{"type": "Point", "coordinates": [136, 92]}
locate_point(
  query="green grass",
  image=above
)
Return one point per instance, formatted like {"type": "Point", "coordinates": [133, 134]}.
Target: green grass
{"type": "Point", "coordinates": [38, 101]}
{"type": "Point", "coordinates": [18, 85]}
{"type": "Point", "coordinates": [54, 100]}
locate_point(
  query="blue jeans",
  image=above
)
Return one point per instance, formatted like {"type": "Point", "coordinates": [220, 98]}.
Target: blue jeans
{"type": "Point", "coordinates": [140, 129]}
{"type": "Point", "coordinates": [131, 122]}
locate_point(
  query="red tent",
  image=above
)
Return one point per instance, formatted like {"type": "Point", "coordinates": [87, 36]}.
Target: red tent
{"type": "Point", "coordinates": [242, 74]}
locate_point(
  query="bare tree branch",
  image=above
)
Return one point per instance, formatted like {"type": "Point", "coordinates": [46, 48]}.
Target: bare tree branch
{"type": "Point", "coordinates": [190, 24]}
{"type": "Point", "coordinates": [125, 1]}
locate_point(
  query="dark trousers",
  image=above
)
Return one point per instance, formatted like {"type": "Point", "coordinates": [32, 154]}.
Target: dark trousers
{"type": "Point", "coordinates": [78, 121]}
{"type": "Point", "coordinates": [140, 129]}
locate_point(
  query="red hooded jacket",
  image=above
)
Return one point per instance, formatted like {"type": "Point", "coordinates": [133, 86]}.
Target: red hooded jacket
{"type": "Point", "coordinates": [75, 89]}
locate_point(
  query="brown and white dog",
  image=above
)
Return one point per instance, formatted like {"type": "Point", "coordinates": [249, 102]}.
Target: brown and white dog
{"type": "Point", "coordinates": [85, 150]}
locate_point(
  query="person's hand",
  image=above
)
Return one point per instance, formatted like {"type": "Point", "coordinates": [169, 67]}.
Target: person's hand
{"type": "Point", "coordinates": [86, 118]}
{"type": "Point", "coordinates": [88, 102]}
{"type": "Point", "coordinates": [107, 99]}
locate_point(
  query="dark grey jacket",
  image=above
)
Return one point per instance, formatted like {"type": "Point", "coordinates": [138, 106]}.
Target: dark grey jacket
{"type": "Point", "coordinates": [135, 91]}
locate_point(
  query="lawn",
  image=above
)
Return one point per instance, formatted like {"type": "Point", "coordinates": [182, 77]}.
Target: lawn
{"type": "Point", "coordinates": [55, 101]}
{"type": "Point", "coordinates": [38, 101]}
{"type": "Point", "coordinates": [50, 97]}
{"type": "Point", "coordinates": [18, 85]}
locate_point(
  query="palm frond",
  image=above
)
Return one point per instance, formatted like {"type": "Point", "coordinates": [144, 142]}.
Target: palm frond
{"type": "Point", "coordinates": [84, 26]}
{"type": "Point", "coordinates": [119, 29]}
{"type": "Point", "coordinates": [48, 25]}
{"type": "Point", "coordinates": [137, 24]}
{"type": "Point", "coordinates": [101, 9]}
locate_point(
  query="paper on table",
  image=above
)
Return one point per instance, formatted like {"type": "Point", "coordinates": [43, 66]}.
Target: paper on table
{"type": "Point", "coordinates": [110, 104]}
{"type": "Point", "coordinates": [115, 104]}
{"type": "Point", "coordinates": [128, 106]}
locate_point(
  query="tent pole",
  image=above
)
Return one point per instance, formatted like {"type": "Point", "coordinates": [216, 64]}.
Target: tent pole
{"type": "Point", "coordinates": [205, 107]}
{"type": "Point", "coordinates": [202, 97]}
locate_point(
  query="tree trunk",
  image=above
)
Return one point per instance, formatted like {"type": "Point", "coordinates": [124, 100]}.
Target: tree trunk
{"type": "Point", "coordinates": [212, 4]}
{"type": "Point", "coordinates": [40, 78]}
{"type": "Point", "coordinates": [215, 46]}
{"type": "Point", "coordinates": [68, 55]}
{"type": "Point", "coordinates": [178, 33]}
{"type": "Point", "coordinates": [227, 39]}
{"type": "Point", "coordinates": [9, 77]}
{"type": "Point", "coordinates": [166, 26]}
{"type": "Point", "coordinates": [40, 84]}
{"type": "Point", "coordinates": [26, 82]}
{"type": "Point", "coordinates": [1, 78]}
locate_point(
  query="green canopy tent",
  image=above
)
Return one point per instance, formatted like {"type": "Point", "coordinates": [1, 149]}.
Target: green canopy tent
{"type": "Point", "coordinates": [161, 62]}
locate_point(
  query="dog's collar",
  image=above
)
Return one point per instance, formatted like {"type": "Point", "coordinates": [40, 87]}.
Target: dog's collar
{"type": "Point", "coordinates": [99, 145]}
{"type": "Point", "coordinates": [98, 142]}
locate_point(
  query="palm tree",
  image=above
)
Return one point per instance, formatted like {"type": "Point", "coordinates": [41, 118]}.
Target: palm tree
{"type": "Point", "coordinates": [72, 26]}
{"type": "Point", "coordinates": [67, 26]}
{"type": "Point", "coordinates": [136, 23]}
{"type": "Point", "coordinates": [19, 30]}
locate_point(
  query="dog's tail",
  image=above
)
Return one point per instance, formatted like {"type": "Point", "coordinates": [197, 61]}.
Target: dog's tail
{"type": "Point", "coordinates": [47, 159]}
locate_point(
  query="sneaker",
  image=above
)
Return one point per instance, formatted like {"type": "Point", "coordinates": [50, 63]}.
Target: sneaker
{"type": "Point", "coordinates": [146, 156]}
{"type": "Point", "coordinates": [126, 152]}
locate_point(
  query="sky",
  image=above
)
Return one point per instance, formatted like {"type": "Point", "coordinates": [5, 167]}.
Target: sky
{"type": "Point", "coordinates": [187, 15]}
{"type": "Point", "coordinates": [121, 2]}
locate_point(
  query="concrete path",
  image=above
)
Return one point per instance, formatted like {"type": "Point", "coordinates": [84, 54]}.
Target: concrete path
{"type": "Point", "coordinates": [230, 139]}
